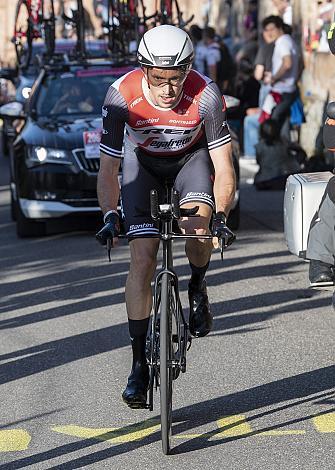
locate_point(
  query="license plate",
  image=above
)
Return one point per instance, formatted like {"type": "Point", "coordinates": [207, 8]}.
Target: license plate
{"type": "Point", "coordinates": [91, 143]}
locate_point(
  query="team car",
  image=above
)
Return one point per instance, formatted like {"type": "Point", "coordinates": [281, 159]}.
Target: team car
{"type": "Point", "coordinates": [54, 159]}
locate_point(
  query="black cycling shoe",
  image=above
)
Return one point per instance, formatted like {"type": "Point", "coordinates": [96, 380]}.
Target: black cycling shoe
{"type": "Point", "coordinates": [135, 394]}
{"type": "Point", "coordinates": [320, 274]}
{"type": "Point", "coordinates": [201, 319]}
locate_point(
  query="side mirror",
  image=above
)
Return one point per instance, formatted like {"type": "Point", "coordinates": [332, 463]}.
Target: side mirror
{"type": "Point", "coordinates": [12, 111]}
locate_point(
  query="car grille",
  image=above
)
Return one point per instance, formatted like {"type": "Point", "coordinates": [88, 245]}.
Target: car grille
{"type": "Point", "coordinates": [91, 165]}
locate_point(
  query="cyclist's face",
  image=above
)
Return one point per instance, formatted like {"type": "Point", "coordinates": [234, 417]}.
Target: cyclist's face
{"type": "Point", "coordinates": [165, 85]}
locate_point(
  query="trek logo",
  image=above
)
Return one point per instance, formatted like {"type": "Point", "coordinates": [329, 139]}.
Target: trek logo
{"type": "Point", "coordinates": [166, 144]}
{"type": "Point", "coordinates": [190, 99]}
{"type": "Point", "coordinates": [165, 131]}
{"type": "Point", "coordinates": [135, 102]}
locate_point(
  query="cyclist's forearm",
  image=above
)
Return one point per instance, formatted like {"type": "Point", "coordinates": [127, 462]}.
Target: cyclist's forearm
{"type": "Point", "coordinates": [108, 185]}
{"type": "Point", "coordinates": [108, 194]}
{"type": "Point", "coordinates": [225, 180]}
{"type": "Point", "coordinates": [224, 191]}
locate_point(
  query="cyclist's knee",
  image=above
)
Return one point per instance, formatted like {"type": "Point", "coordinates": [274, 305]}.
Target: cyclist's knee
{"type": "Point", "coordinates": [196, 225]}
{"type": "Point", "coordinates": [143, 256]}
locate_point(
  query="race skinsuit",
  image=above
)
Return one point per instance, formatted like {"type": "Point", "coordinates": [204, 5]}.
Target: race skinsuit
{"type": "Point", "coordinates": [159, 143]}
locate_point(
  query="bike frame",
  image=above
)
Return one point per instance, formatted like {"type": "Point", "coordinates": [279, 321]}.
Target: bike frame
{"type": "Point", "coordinates": [161, 352]}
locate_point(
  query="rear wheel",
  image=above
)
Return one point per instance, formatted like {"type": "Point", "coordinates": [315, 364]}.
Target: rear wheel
{"type": "Point", "coordinates": [166, 357]}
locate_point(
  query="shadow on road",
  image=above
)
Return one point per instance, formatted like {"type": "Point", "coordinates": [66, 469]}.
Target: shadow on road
{"type": "Point", "coordinates": [309, 387]}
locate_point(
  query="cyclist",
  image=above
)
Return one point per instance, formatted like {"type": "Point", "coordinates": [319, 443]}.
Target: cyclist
{"type": "Point", "coordinates": [175, 122]}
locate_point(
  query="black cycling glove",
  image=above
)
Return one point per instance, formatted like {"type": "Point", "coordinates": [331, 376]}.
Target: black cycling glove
{"type": "Point", "coordinates": [110, 230]}
{"type": "Point", "coordinates": [221, 231]}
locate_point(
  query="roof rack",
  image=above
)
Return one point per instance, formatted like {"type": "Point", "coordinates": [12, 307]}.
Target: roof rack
{"type": "Point", "coordinates": [63, 61]}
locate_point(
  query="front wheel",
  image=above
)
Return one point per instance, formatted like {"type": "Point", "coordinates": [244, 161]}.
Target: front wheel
{"type": "Point", "coordinates": [166, 358]}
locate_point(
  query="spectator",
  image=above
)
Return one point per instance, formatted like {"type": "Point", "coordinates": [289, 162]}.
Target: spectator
{"type": "Point", "coordinates": [284, 9]}
{"type": "Point", "coordinates": [284, 72]}
{"type": "Point", "coordinates": [263, 66]}
{"type": "Point", "coordinates": [321, 238]}
{"type": "Point", "coordinates": [212, 58]}
{"type": "Point", "coordinates": [250, 20]}
{"type": "Point", "coordinates": [274, 160]}
{"type": "Point", "coordinates": [199, 48]}
{"type": "Point", "coordinates": [218, 63]}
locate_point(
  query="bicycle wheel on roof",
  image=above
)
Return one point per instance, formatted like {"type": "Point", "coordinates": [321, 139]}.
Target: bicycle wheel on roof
{"type": "Point", "coordinates": [23, 33]}
{"type": "Point", "coordinates": [48, 26]}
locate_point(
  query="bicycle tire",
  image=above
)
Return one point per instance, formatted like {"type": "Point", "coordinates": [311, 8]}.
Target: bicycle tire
{"type": "Point", "coordinates": [166, 357]}
{"type": "Point", "coordinates": [80, 29]}
{"type": "Point", "coordinates": [23, 49]}
{"type": "Point", "coordinates": [49, 25]}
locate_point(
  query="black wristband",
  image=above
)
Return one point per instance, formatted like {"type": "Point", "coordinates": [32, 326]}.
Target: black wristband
{"type": "Point", "coordinates": [220, 215]}
{"type": "Point", "coordinates": [111, 217]}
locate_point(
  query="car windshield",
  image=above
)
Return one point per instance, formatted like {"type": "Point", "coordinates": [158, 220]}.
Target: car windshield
{"type": "Point", "coordinates": [82, 92]}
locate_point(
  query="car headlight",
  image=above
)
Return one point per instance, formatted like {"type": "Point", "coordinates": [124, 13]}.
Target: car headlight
{"type": "Point", "coordinates": [47, 155]}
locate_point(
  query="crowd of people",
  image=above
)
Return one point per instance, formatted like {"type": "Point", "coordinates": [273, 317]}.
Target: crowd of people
{"type": "Point", "coordinates": [264, 75]}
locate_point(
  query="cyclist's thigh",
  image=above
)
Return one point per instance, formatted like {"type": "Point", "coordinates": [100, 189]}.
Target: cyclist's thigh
{"type": "Point", "coordinates": [195, 185]}
{"type": "Point", "coordinates": [135, 195]}
{"type": "Point", "coordinates": [195, 180]}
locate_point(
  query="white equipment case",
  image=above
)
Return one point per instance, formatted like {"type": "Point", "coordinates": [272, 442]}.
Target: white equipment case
{"type": "Point", "coordinates": [303, 194]}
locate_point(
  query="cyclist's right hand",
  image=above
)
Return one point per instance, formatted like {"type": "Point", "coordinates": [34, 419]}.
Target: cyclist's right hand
{"type": "Point", "coordinates": [110, 231]}
{"type": "Point", "coordinates": [221, 231]}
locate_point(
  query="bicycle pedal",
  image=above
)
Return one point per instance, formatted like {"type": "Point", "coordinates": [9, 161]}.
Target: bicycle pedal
{"type": "Point", "coordinates": [189, 341]}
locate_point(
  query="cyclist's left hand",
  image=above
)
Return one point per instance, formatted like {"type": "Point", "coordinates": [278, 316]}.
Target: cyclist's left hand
{"type": "Point", "coordinates": [221, 231]}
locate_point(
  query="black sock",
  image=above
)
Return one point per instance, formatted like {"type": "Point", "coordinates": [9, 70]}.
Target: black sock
{"type": "Point", "coordinates": [138, 327]}
{"type": "Point", "coordinates": [138, 335]}
{"type": "Point", "coordinates": [198, 274]}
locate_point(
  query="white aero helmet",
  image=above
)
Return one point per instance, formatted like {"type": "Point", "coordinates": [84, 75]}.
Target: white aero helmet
{"type": "Point", "coordinates": [165, 46]}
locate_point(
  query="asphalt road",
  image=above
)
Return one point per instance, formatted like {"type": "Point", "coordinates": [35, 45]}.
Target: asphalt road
{"type": "Point", "coordinates": [259, 390]}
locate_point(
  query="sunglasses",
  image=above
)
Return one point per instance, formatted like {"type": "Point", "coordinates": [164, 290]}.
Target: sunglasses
{"type": "Point", "coordinates": [176, 81]}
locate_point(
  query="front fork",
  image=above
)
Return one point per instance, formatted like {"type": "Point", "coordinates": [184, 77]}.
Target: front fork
{"type": "Point", "coordinates": [182, 337]}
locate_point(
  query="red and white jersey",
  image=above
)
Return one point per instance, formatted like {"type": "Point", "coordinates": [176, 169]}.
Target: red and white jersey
{"type": "Point", "coordinates": [159, 131]}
